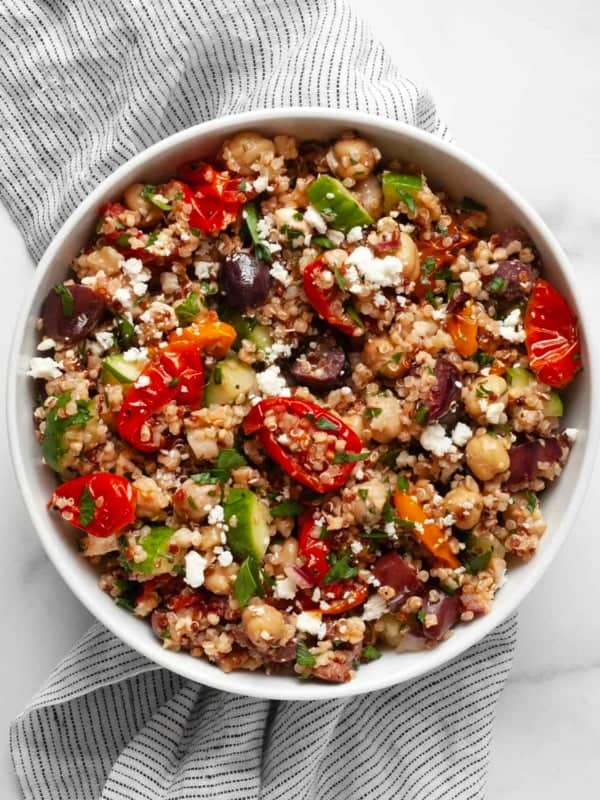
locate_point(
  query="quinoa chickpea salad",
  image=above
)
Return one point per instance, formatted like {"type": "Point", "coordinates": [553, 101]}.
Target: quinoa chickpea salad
{"type": "Point", "coordinates": [301, 406]}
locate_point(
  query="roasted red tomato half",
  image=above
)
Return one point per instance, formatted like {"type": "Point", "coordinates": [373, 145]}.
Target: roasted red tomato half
{"type": "Point", "coordinates": [100, 504]}
{"type": "Point", "coordinates": [331, 303]}
{"type": "Point", "coordinates": [438, 252]}
{"type": "Point", "coordinates": [311, 548]}
{"type": "Point", "coordinates": [551, 336]}
{"type": "Point", "coordinates": [172, 376]}
{"type": "Point", "coordinates": [314, 446]}
{"type": "Point", "coordinates": [216, 198]}
{"type": "Point", "coordinates": [341, 596]}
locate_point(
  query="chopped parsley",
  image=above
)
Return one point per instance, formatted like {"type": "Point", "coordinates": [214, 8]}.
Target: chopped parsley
{"type": "Point", "coordinates": [152, 238]}
{"type": "Point", "coordinates": [452, 289]}
{"type": "Point", "coordinates": [227, 461]}
{"type": "Point", "coordinates": [66, 298]}
{"type": "Point", "coordinates": [349, 458]}
{"type": "Point", "coordinates": [304, 658]}
{"type": "Point", "coordinates": [261, 249]}
{"type": "Point", "coordinates": [195, 231]}
{"type": "Point", "coordinates": [323, 242]}
{"type": "Point", "coordinates": [188, 310]}
{"type": "Point", "coordinates": [531, 501]}
{"type": "Point", "coordinates": [354, 315]}
{"type": "Point", "coordinates": [248, 582]}
{"type": "Point", "coordinates": [287, 508]}
{"type": "Point", "coordinates": [363, 493]}
{"type": "Point", "coordinates": [482, 390]}
{"type": "Point", "coordinates": [371, 653]}
{"type": "Point", "coordinates": [370, 413]}
{"type": "Point", "coordinates": [340, 280]}
{"type": "Point", "coordinates": [125, 332]}
{"type": "Point", "coordinates": [497, 284]}
{"type": "Point", "coordinates": [421, 414]}
{"type": "Point", "coordinates": [340, 568]}
{"type": "Point", "coordinates": [325, 424]}
{"type": "Point", "coordinates": [431, 298]}
{"type": "Point", "coordinates": [476, 563]}
{"type": "Point", "coordinates": [402, 483]}
{"type": "Point", "coordinates": [428, 265]}
{"type": "Point", "coordinates": [483, 359]}
{"type": "Point", "coordinates": [87, 507]}
{"type": "Point", "coordinates": [407, 524]}
{"type": "Point", "coordinates": [420, 615]}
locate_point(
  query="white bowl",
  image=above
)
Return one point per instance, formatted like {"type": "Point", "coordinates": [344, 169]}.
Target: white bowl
{"type": "Point", "coordinates": [446, 166]}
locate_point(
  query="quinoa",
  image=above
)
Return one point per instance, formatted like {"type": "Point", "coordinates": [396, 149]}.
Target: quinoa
{"type": "Point", "coordinates": [288, 441]}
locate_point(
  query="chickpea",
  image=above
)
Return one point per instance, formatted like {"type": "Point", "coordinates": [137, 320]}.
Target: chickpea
{"type": "Point", "coordinates": [106, 259]}
{"type": "Point", "coordinates": [247, 151]}
{"type": "Point", "coordinates": [387, 424]}
{"type": "Point", "coordinates": [194, 501]}
{"type": "Point", "coordinates": [392, 630]}
{"type": "Point", "coordinates": [370, 498]}
{"type": "Point", "coordinates": [409, 255]}
{"type": "Point", "coordinates": [264, 625]}
{"type": "Point", "coordinates": [486, 396]}
{"type": "Point", "coordinates": [219, 580]}
{"type": "Point", "coordinates": [356, 422]}
{"type": "Point", "coordinates": [487, 456]}
{"type": "Point", "coordinates": [149, 213]}
{"type": "Point", "coordinates": [352, 158]}
{"type": "Point", "coordinates": [370, 195]}
{"type": "Point", "coordinates": [281, 556]}
{"type": "Point", "coordinates": [384, 358]}
{"type": "Point", "coordinates": [151, 499]}
{"type": "Point", "coordinates": [465, 504]}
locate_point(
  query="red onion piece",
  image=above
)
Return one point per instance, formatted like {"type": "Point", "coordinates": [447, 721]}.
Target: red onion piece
{"type": "Point", "coordinates": [447, 611]}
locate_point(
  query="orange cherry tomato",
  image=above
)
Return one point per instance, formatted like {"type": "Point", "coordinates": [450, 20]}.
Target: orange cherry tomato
{"type": "Point", "coordinates": [551, 336]}
{"type": "Point", "coordinates": [431, 536]}
{"type": "Point", "coordinates": [462, 326]}
{"type": "Point", "coordinates": [209, 335]}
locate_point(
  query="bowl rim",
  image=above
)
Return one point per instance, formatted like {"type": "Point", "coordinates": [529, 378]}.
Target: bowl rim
{"type": "Point", "coordinates": [271, 687]}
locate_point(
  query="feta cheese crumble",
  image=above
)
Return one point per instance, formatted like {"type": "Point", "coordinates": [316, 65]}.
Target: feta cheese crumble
{"type": "Point", "coordinates": [381, 272]}
{"type": "Point", "coordinates": [461, 434]}
{"type": "Point", "coordinates": [374, 608]}
{"type": "Point", "coordinates": [216, 515]}
{"type": "Point", "coordinates": [202, 269]}
{"type": "Point", "coordinates": [272, 383]}
{"type": "Point", "coordinates": [311, 622]}
{"type": "Point", "coordinates": [312, 216]}
{"type": "Point", "coordinates": [354, 234]}
{"type": "Point", "coordinates": [280, 273]}
{"type": "Point", "coordinates": [225, 558]}
{"type": "Point", "coordinates": [46, 344]}
{"type": "Point", "coordinates": [44, 368]}
{"type": "Point", "coordinates": [195, 564]}
{"type": "Point", "coordinates": [285, 589]}
{"type": "Point", "coordinates": [510, 328]}
{"type": "Point", "coordinates": [277, 350]}
{"type": "Point", "coordinates": [105, 339]}
{"type": "Point", "coordinates": [135, 354]}
{"type": "Point", "coordinates": [435, 440]}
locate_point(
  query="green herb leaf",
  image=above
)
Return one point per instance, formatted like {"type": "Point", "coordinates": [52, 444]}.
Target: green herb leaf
{"type": "Point", "coordinates": [420, 615]}
{"type": "Point", "coordinates": [371, 412]}
{"type": "Point", "coordinates": [421, 414]}
{"type": "Point", "coordinates": [66, 298]}
{"type": "Point", "coordinates": [431, 298]}
{"type": "Point", "coordinates": [53, 443]}
{"type": "Point", "coordinates": [408, 199]}
{"type": "Point", "coordinates": [261, 250]}
{"type": "Point", "coordinates": [287, 508]}
{"type": "Point", "coordinates": [217, 374]}
{"type": "Point", "coordinates": [304, 658]}
{"type": "Point", "coordinates": [123, 240]}
{"type": "Point", "coordinates": [152, 239]}
{"type": "Point", "coordinates": [531, 501]}
{"type": "Point", "coordinates": [363, 493]}
{"type": "Point", "coordinates": [248, 582]}
{"type": "Point", "coordinates": [227, 461]}
{"type": "Point", "coordinates": [402, 483]}
{"type": "Point", "coordinates": [428, 265]}
{"type": "Point", "coordinates": [407, 524]}
{"type": "Point", "coordinates": [340, 568]}
{"type": "Point", "coordinates": [483, 359]}
{"type": "Point", "coordinates": [349, 458]}
{"type": "Point", "coordinates": [155, 543]}
{"type": "Point", "coordinates": [125, 332]}
{"type": "Point", "coordinates": [452, 289]}
{"type": "Point", "coordinates": [354, 315]}
{"type": "Point", "coordinates": [195, 231]}
{"type": "Point", "coordinates": [497, 284]}
{"type": "Point", "coordinates": [204, 478]}
{"type": "Point", "coordinates": [477, 563]}
{"type": "Point", "coordinates": [323, 242]}
{"type": "Point", "coordinates": [208, 288]}
{"type": "Point", "coordinates": [87, 507]}
{"type": "Point", "coordinates": [482, 390]}
{"type": "Point", "coordinates": [325, 424]}
{"type": "Point", "coordinates": [188, 310]}
{"type": "Point", "coordinates": [147, 191]}
{"type": "Point", "coordinates": [340, 280]}
{"type": "Point", "coordinates": [388, 459]}
{"type": "Point", "coordinates": [375, 534]}
{"type": "Point", "coordinates": [371, 653]}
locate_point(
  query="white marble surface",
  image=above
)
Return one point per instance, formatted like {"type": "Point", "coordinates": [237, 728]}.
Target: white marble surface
{"type": "Point", "coordinates": [519, 85]}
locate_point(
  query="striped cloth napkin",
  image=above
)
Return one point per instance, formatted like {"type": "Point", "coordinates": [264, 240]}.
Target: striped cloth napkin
{"type": "Point", "coordinates": [85, 86]}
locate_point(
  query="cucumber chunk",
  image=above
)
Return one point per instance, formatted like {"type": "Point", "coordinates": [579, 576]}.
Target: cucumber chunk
{"type": "Point", "coordinates": [519, 376]}
{"type": "Point", "coordinates": [230, 379]}
{"type": "Point", "coordinates": [339, 207]}
{"type": "Point", "coordinates": [54, 447]}
{"type": "Point", "coordinates": [248, 520]}
{"type": "Point", "coordinates": [115, 369]}
{"type": "Point", "coordinates": [247, 328]}
{"type": "Point", "coordinates": [397, 187]}
{"type": "Point", "coordinates": [158, 559]}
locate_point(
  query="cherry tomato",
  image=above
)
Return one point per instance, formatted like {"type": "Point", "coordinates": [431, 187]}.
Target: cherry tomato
{"type": "Point", "coordinates": [429, 534]}
{"type": "Point", "coordinates": [323, 474]}
{"type": "Point", "coordinates": [172, 376]}
{"type": "Point", "coordinates": [99, 504]}
{"type": "Point", "coordinates": [462, 326]}
{"type": "Point", "coordinates": [311, 548]}
{"type": "Point", "coordinates": [328, 303]}
{"type": "Point", "coordinates": [341, 596]}
{"type": "Point", "coordinates": [551, 336]}
{"type": "Point", "coordinates": [216, 198]}
{"type": "Point", "coordinates": [441, 248]}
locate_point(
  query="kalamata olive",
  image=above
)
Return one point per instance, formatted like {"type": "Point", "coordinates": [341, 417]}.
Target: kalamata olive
{"type": "Point", "coordinates": [512, 281]}
{"type": "Point", "coordinates": [525, 459]}
{"type": "Point", "coordinates": [509, 235]}
{"type": "Point", "coordinates": [244, 281]}
{"type": "Point", "coordinates": [71, 312]}
{"type": "Point", "coordinates": [447, 611]}
{"type": "Point", "coordinates": [444, 391]}
{"type": "Point", "coordinates": [457, 301]}
{"type": "Point", "coordinates": [321, 366]}
{"type": "Point", "coordinates": [392, 570]}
